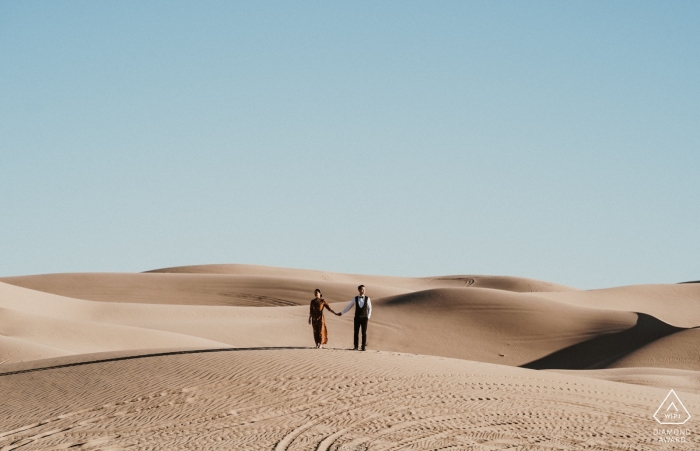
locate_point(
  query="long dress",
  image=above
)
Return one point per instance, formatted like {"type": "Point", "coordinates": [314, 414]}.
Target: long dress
{"type": "Point", "coordinates": [318, 321]}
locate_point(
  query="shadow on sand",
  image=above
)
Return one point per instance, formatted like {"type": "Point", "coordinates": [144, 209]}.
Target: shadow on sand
{"type": "Point", "coordinates": [599, 352]}
{"type": "Point", "coordinates": [156, 354]}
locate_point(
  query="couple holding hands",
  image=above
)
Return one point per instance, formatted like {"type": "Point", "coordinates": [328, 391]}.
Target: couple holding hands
{"type": "Point", "coordinates": [363, 310]}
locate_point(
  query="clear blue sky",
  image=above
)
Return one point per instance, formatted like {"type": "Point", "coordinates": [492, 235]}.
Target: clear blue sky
{"type": "Point", "coordinates": [552, 140]}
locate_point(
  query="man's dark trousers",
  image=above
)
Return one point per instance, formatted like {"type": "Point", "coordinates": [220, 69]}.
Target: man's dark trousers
{"type": "Point", "coordinates": [361, 322]}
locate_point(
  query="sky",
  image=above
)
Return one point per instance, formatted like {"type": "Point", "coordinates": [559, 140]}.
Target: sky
{"type": "Point", "coordinates": [553, 140]}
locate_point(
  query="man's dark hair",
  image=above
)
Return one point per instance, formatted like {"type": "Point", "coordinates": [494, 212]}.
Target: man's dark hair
{"type": "Point", "coordinates": [361, 286]}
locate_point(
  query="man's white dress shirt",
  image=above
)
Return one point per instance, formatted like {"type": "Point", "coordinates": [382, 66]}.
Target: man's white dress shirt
{"type": "Point", "coordinates": [361, 303]}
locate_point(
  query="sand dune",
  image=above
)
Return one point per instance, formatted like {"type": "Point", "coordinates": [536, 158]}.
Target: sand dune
{"type": "Point", "coordinates": [322, 400]}
{"type": "Point", "coordinates": [190, 289]}
{"type": "Point", "coordinates": [519, 284]}
{"type": "Point", "coordinates": [89, 336]}
{"type": "Point", "coordinates": [475, 323]}
{"type": "Point", "coordinates": [567, 329]}
{"type": "Point", "coordinates": [680, 350]}
{"type": "Point", "coordinates": [674, 304]}
{"type": "Point", "coordinates": [488, 325]}
{"type": "Point", "coordinates": [76, 326]}
{"type": "Point", "coordinates": [247, 285]}
{"type": "Point", "coordinates": [35, 325]}
{"type": "Point", "coordinates": [442, 370]}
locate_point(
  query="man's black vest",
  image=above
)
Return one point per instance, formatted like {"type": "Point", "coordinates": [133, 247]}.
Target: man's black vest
{"type": "Point", "coordinates": [361, 312]}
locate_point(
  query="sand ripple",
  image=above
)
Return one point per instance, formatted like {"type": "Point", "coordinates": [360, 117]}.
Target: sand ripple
{"type": "Point", "coordinates": [299, 399]}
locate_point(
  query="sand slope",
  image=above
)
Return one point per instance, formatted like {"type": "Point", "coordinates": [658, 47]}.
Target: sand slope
{"type": "Point", "coordinates": [519, 284]}
{"type": "Point", "coordinates": [323, 400]}
{"type": "Point", "coordinates": [488, 325]}
{"type": "Point", "coordinates": [190, 289]}
{"type": "Point", "coordinates": [680, 380]}
{"type": "Point", "coordinates": [675, 304]}
{"type": "Point", "coordinates": [472, 323]}
{"type": "Point", "coordinates": [26, 332]}
{"type": "Point", "coordinates": [247, 285]}
{"type": "Point", "coordinates": [680, 350]}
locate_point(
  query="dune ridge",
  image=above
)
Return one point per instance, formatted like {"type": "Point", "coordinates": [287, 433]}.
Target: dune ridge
{"type": "Point", "coordinates": [497, 282]}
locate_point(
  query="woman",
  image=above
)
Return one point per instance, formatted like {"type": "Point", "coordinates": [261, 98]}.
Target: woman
{"type": "Point", "coordinates": [317, 320]}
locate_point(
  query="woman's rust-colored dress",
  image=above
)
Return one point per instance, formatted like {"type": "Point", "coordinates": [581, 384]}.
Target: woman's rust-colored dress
{"type": "Point", "coordinates": [318, 321]}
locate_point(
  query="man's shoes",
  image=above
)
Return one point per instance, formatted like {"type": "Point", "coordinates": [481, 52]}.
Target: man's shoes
{"type": "Point", "coordinates": [354, 349]}
{"type": "Point", "coordinates": [362, 349]}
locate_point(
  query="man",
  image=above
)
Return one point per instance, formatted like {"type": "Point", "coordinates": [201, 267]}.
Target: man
{"type": "Point", "coordinates": [363, 311]}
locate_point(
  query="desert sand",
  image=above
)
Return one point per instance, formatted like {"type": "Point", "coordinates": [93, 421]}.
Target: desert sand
{"type": "Point", "coordinates": [221, 357]}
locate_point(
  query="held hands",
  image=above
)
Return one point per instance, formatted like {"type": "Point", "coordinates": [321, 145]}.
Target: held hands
{"type": "Point", "coordinates": [339, 314]}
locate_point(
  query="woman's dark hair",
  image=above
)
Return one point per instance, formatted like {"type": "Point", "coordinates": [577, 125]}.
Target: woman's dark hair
{"type": "Point", "coordinates": [318, 291]}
